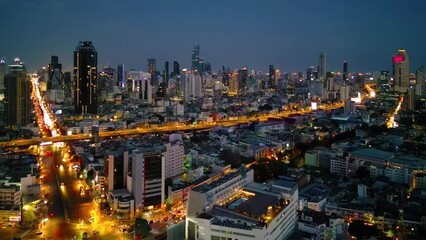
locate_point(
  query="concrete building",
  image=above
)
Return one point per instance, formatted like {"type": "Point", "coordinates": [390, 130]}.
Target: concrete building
{"type": "Point", "coordinates": [233, 207]}
{"type": "Point", "coordinates": [147, 178]}
{"type": "Point", "coordinates": [174, 156]}
{"type": "Point", "coordinates": [401, 71]}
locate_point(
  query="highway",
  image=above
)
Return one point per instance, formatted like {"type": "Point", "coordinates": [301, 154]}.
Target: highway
{"type": "Point", "coordinates": [170, 127]}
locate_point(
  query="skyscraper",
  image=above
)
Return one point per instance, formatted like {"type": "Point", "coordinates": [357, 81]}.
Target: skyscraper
{"type": "Point", "coordinates": [420, 81]}
{"type": "Point", "coordinates": [176, 68]}
{"type": "Point", "coordinates": [195, 57]}
{"type": "Point", "coordinates": [166, 75]}
{"type": "Point", "coordinates": [152, 69]}
{"type": "Point", "coordinates": [3, 70]}
{"type": "Point", "coordinates": [120, 75]}
{"type": "Point", "coordinates": [85, 78]}
{"type": "Point", "coordinates": [345, 72]}
{"type": "Point", "coordinates": [401, 71]}
{"type": "Point", "coordinates": [17, 104]}
{"type": "Point", "coordinates": [322, 65]}
{"type": "Point", "coordinates": [271, 82]}
{"type": "Point", "coordinates": [242, 81]}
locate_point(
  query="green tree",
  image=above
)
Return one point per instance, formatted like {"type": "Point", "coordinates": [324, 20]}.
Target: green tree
{"type": "Point", "coordinates": [90, 176]}
{"type": "Point", "coordinates": [142, 228]}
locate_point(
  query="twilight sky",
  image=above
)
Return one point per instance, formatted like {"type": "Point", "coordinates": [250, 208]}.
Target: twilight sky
{"type": "Point", "coordinates": [289, 34]}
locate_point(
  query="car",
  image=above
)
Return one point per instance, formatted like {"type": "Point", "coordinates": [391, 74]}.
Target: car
{"type": "Point", "coordinates": [39, 232]}
{"type": "Point", "coordinates": [95, 232]}
{"type": "Point", "coordinates": [62, 184]}
{"type": "Point", "coordinates": [91, 219]}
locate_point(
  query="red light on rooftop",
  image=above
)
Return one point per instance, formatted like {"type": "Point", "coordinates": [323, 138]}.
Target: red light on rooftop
{"type": "Point", "coordinates": [397, 59]}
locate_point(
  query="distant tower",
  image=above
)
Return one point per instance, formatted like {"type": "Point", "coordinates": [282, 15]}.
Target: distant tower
{"type": "Point", "coordinates": [152, 69]}
{"type": "Point", "coordinates": [85, 78]}
{"type": "Point", "coordinates": [195, 57]}
{"type": "Point", "coordinates": [401, 71]}
{"type": "Point", "coordinates": [322, 64]}
{"type": "Point", "coordinates": [3, 71]}
{"type": "Point", "coordinates": [345, 72]}
{"type": "Point", "coordinates": [120, 75]}
{"type": "Point", "coordinates": [17, 103]}
{"type": "Point", "coordinates": [166, 75]}
{"type": "Point", "coordinates": [271, 82]}
{"type": "Point", "coordinates": [310, 74]}
{"type": "Point", "coordinates": [420, 81]}
{"type": "Point", "coordinates": [176, 68]}
{"type": "Point", "coordinates": [242, 81]}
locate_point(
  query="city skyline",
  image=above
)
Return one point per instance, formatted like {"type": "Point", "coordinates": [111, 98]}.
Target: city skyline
{"type": "Point", "coordinates": [231, 34]}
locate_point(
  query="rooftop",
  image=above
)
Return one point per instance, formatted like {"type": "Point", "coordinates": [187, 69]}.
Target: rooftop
{"type": "Point", "coordinates": [373, 153]}
{"type": "Point", "coordinates": [207, 187]}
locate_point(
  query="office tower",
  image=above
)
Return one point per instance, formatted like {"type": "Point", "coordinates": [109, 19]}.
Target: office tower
{"type": "Point", "coordinates": [147, 178]}
{"type": "Point", "coordinates": [3, 71]}
{"type": "Point", "coordinates": [345, 72]}
{"type": "Point", "coordinates": [176, 68]}
{"type": "Point", "coordinates": [152, 69]}
{"type": "Point", "coordinates": [120, 75]}
{"type": "Point", "coordinates": [242, 81]}
{"type": "Point", "coordinates": [411, 99]}
{"type": "Point", "coordinates": [310, 74]}
{"type": "Point", "coordinates": [174, 156]}
{"type": "Point", "coordinates": [345, 93]}
{"type": "Point", "coordinates": [233, 84]}
{"type": "Point", "coordinates": [271, 79]}
{"type": "Point", "coordinates": [201, 67]}
{"type": "Point", "coordinates": [322, 67]}
{"type": "Point", "coordinates": [420, 81]}
{"type": "Point", "coordinates": [166, 75]}
{"type": "Point", "coordinates": [85, 78]}
{"type": "Point", "coordinates": [208, 67]}
{"type": "Point", "coordinates": [116, 168]}
{"type": "Point", "coordinates": [195, 58]}
{"type": "Point", "coordinates": [106, 81]}
{"type": "Point", "coordinates": [17, 102]}
{"type": "Point", "coordinates": [225, 76]}
{"type": "Point", "coordinates": [56, 79]}
{"type": "Point", "coordinates": [401, 71]}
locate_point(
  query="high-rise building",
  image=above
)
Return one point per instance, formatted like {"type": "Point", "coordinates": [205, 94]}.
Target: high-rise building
{"type": "Point", "coordinates": [345, 72]}
{"type": "Point", "coordinates": [85, 78]}
{"type": "Point", "coordinates": [233, 84]}
{"type": "Point", "coordinates": [166, 75]}
{"type": "Point", "coordinates": [106, 81]}
{"type": "Point", "coordinates": [420, 81]}
{"type": "Point", "coordinates": [195, 58]}
{"type": "Point", "coordinates": [176, 68]}
{"type": "Point", "coordinates": [116, 169]}
{"type": "Point", "coordinates": [56, 79]}
{"type": "Point", "coordinates": [17, 102]}
{"type": "Point", "coordinates": [3, 71]}
{"type": "Point", "coordinates": [310, 74]}
{"type": "Point", "coordinates": [120, 75]}
{"type": "Point", "coordinates": [401, 71]}
{"type": "Point", "coordinates": [174, 156]}
{"type": "Point", "coordinates": [242, 81]}
{"type": "Point", "coordinates": [411, 95]}
{"type": "Point", "coordinates": [152, 69]}
{"type": "Point", "coordinates": [147, 178]}
{"type": "Point", "coordinates": [322, 67]}
{"type": "Point", "coordinates": [271, 82]}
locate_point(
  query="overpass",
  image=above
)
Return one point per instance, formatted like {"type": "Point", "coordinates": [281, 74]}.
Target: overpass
{"type": "Point", "coordinates": [171, 127]}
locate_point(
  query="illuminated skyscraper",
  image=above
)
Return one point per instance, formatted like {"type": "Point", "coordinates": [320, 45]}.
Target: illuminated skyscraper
{"type": "Point", "coordinates": [166, 75]}
{"type": "Point", "coordinates": [322, 64]}
{"type": "Point", "coordinates": [17, 103]}
{"type": "Point", "coordinates": [242, 81]}
{"type": "Point", "coordinates": [196, 58]}
{"type": "Point", "coordinates": [401, 71]}
{"type": "Point", "coordinates": [85, 78]}
{"type": "Point", "coordinates": [420, 81]}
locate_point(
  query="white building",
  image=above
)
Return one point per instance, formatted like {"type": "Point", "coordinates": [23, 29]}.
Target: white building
{"type": "Point", "coordinates": [147, 183]}
{"type": "Point", "coordinates": [174, 156]}
{"type": "Point", "coordinates": [233, 207]}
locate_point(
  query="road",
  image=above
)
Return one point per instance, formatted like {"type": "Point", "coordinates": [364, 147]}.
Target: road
{"type": "Point", "coordinates": [168, 128]}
